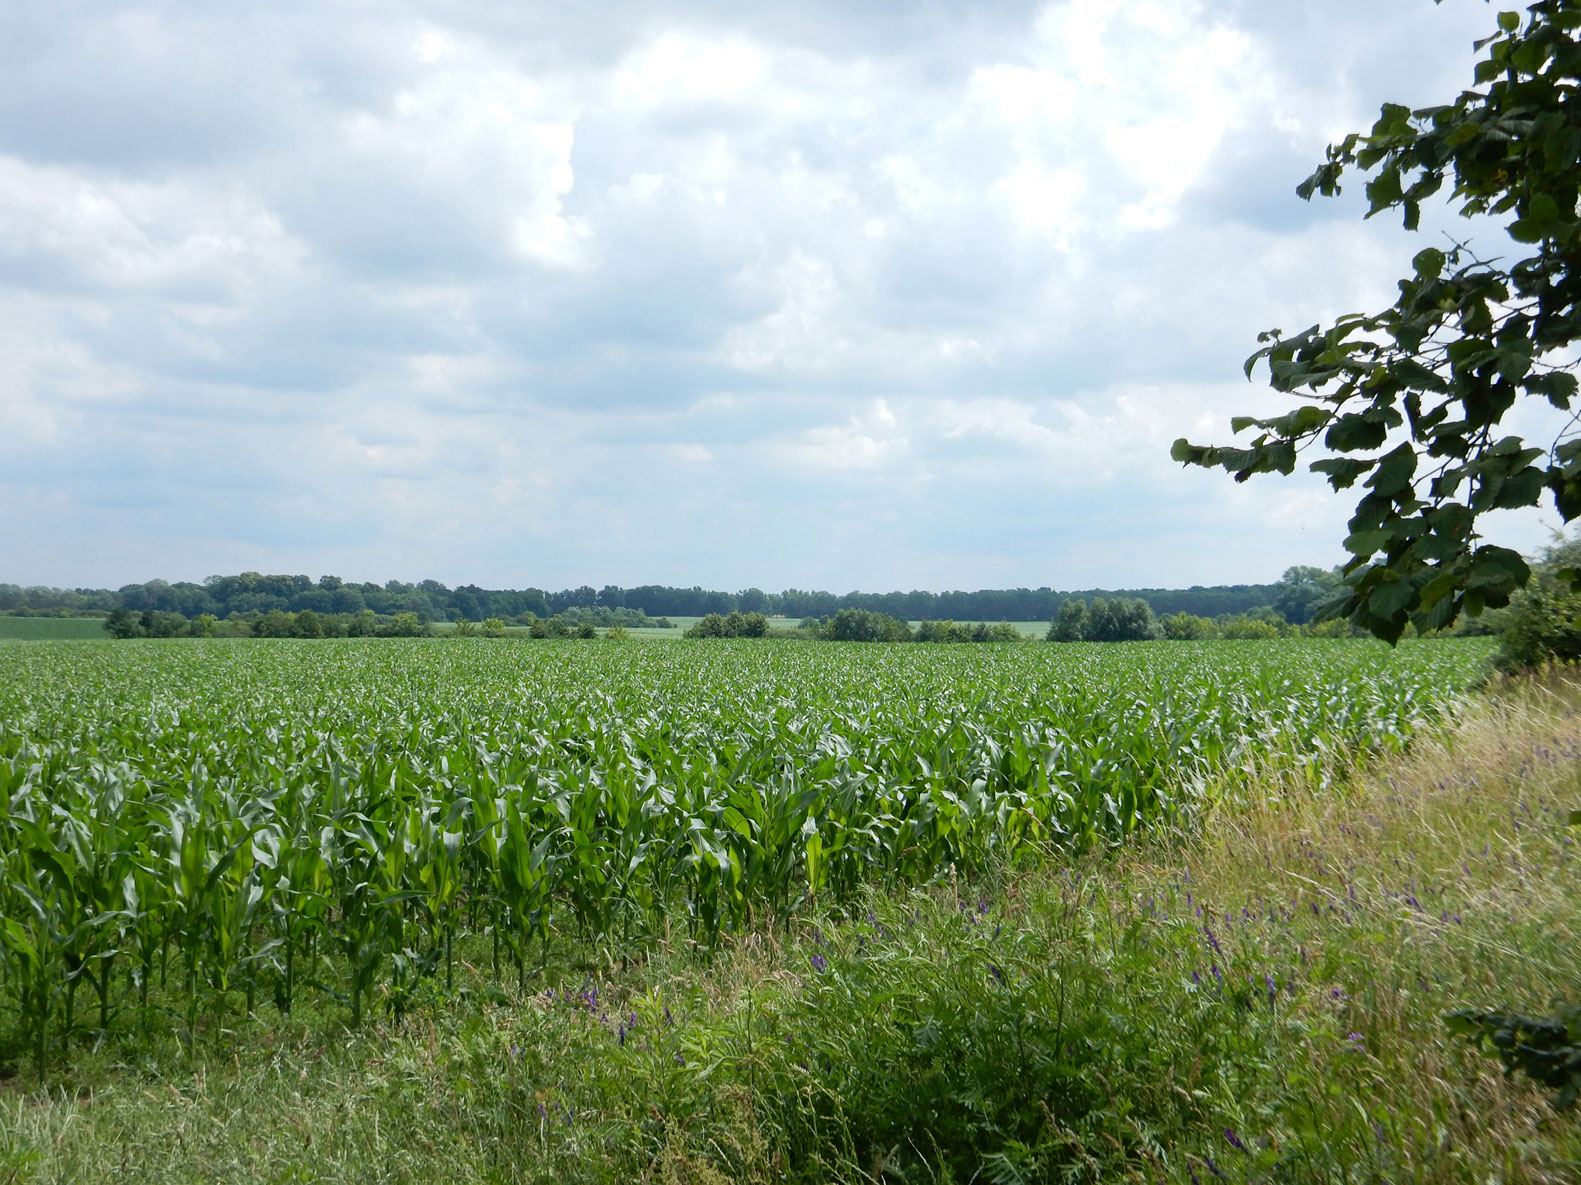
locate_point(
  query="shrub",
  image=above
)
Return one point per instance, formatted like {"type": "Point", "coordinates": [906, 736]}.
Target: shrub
{"type": "Point", "coordinates": [1543, 622]}
{"type": "Point", "coordinates": [1248, 628]}
{"type": "Point", "coordinates": [404, 625]}
{"type": "Point", "coordinates": [736, 625]}
{"type": "Point", "coordinates": [1186, 627]}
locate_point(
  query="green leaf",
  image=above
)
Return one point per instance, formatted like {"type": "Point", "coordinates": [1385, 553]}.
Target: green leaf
{"type": "Point", "coordinates": [1367, 543]}
{"type": "Point", "coordinates": [1355, 431]}
{"type": "Point", "coordinates": [1191, 454]}
{"type": "Point", "coordinates": [1342, 471]}
{"type": "Point", "coordinates": [1395, 470]}
{"type": "Point", "coordinates": [1429, 263]}
{"type": "Point", "coordinates": [1391, 597]}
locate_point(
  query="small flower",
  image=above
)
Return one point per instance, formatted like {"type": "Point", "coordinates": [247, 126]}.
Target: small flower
{"type": "Point", "coordinates": [820, 964]}
{"type": "Point", "coordinates": [995, 972]}
{"type": "Point", "coordinates": [1235, 1140]}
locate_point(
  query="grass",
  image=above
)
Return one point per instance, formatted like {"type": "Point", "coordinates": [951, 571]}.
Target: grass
{"type": "Point", "coordinates": [39, 629]}
{"type": "Point", "coordinates": [1259, 998]}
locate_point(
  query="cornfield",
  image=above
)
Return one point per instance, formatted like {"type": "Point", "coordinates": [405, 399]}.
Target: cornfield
{"type": "Point", "coordinates": [229, 822]}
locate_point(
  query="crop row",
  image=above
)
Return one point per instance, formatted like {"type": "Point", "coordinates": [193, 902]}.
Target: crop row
{"type": "Point", "coordinates": [231, 820]}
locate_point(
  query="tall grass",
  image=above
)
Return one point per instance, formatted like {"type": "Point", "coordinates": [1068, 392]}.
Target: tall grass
{"type": "Point", "coordinates": [1257, 995]}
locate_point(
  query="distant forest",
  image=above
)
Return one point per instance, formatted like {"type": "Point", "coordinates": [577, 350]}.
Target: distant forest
{"type": "Point", "coordinates": [252, 593]}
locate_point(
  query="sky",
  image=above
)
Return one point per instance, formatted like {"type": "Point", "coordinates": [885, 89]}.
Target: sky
{"type": "Point", "coordinates": [819, 295]}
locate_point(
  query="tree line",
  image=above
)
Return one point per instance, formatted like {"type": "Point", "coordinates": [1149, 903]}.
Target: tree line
{"type": "Point", "coordinates": [250, 594]}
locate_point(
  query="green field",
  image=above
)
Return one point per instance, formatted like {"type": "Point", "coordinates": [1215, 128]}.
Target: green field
{"type": "Point", "coordinates": [496, 910]}
{"type": "Point", "coordinates": [38, 629]}
{"type": "Point", "coordinates": [358, 792]}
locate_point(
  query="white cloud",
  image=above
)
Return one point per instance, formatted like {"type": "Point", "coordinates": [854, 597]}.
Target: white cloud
{"type": "Point", "coordinates": [528, 294]}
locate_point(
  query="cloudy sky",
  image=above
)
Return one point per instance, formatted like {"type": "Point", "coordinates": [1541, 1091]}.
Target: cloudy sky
{"type": "Point", "coordinates": [813, 294]}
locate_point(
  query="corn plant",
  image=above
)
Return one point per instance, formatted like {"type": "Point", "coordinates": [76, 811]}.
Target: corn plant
{"type": "Point", "coordinates": [336, 819]}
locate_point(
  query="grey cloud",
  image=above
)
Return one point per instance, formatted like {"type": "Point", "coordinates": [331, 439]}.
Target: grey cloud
{"type": "Point", "coordinates": [335, 299]}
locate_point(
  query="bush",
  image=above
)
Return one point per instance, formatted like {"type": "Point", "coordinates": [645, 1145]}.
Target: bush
{"type": "Point", "coordinates": [404, 625]}
{"type": "Point", "coordinates": [275, 624]}
{"type": "Point", "coordinates": [1121, 620]}
{"type": "Point", "coordinates": [123, 623]}
{"type": "Point", "coordinates": [737, 625]}
{"type": "Point", "coordinates": [493, 627]}
{"type": "Point", "coordinates": [1248, 628]}
{"type": "Point", "coordinates": [307, 625]}
{"type": "Point", "coordinates": [860, 625]}
{"type": "Point", "coordinates": [1186, 627]}
{"type": "Point", "coordinates": [1543, 621]}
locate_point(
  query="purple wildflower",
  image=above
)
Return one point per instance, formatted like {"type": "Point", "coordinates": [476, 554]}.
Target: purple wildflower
{"type": "Point", "coordinates": [1235, 1140]}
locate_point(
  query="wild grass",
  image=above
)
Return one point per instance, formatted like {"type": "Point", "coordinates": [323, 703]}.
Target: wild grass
{"type": "Point", "coordinates": [1257, 996]}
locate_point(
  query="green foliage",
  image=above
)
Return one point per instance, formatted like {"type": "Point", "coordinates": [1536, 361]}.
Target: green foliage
{"type": "Point", "coordinates": [1186, 627]}
{"type": "Point", "coordinates": [1303, 591]}
{"type": "Point", "coordinates": [493, 627]}
{"type": "Point", "coordinates": [404, 625]}
{"type": "Point", "coordinates": [1543, 622]}
{"type": "Point", "coordinates": [1070, 623]}
{"type": "Point", "coordinates": [122, 623]}
{"type": "Point", "coordinates": [1119, 620]}
{"type": "Point", "coordinates": [735, 625]}
{"type": "Point", "coordinates": [269, 819]}
{"type": "Point", "coordinates": [860, 625]}
{"type": "Point", "coordinates": [1546, 1049]}
{"type": "Point", "coordinates": [464, 628]}
{"type": "Point", "coordinates": [950, 631]}
{"type": "Point", "coordinates": [307, 625]}
{"type": "Point", "coordinates": [1411, 401]}
{"type": "Point", "coordinates": [1243, 629]}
